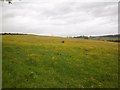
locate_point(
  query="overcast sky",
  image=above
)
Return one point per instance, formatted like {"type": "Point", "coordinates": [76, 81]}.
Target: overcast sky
{"type": "Point", "coordinates": [61, 18]}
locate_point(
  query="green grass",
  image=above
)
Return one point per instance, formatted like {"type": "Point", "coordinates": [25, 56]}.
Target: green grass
{"type": "Point", "coordinates": [31, 61]}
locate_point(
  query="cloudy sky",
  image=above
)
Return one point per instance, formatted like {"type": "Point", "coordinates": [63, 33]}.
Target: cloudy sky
{"type": "Point", "coordinates": [60, 18]}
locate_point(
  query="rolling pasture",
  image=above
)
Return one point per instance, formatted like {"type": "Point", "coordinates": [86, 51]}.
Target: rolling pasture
{"type": "Point", "coordinates": [31, 61]}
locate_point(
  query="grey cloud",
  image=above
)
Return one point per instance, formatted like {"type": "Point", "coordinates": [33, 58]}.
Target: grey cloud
{"type": "Point", "coordinates": [109, 10]}
{"type": "Point", "coordinates": [57, 9]}
{"type": "Point", "coordinates": [96, 9]}
{"type": "Point", "coordinates": [64, 18]}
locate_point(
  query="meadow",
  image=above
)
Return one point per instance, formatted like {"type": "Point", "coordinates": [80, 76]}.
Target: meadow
{"type": "Point", "coordinates": [31, 61]}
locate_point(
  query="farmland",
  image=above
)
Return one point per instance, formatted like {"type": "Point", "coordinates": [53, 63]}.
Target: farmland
{"type": "Point", "coordinates": [31, 61]}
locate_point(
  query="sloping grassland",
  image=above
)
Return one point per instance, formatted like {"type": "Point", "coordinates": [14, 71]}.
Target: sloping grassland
{"type": "Point", "coordinates": [30, 61]}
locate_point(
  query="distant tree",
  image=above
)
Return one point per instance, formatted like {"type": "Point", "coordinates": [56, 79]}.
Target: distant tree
{"type": "Point", "coordinates": [86, 37]}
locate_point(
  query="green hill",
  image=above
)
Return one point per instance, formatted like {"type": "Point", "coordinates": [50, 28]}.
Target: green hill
{"type": "Point", "coordinates": [112, 38]}
{"type": "Point", "coordinates": [107, 37]}
{"type": "Point", "coordinates": [30, 61]}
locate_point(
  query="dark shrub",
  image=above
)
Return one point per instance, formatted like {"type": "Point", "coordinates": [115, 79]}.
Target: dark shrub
{"type": "Point", "coordinates": [62, 41]}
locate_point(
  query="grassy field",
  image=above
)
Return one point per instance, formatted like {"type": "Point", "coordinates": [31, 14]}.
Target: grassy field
{"type": "Point", "coordinates": [31, 61]}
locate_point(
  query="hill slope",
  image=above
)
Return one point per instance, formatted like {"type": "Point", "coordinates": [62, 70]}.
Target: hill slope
{"type": "Point", "coordinates": [37, 61]}
{"type": "Point", "coordinates": [107, 37]}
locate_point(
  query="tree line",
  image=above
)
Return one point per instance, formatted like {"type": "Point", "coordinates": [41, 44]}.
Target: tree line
{"type": "Point", "coordinates": [12, 34]}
